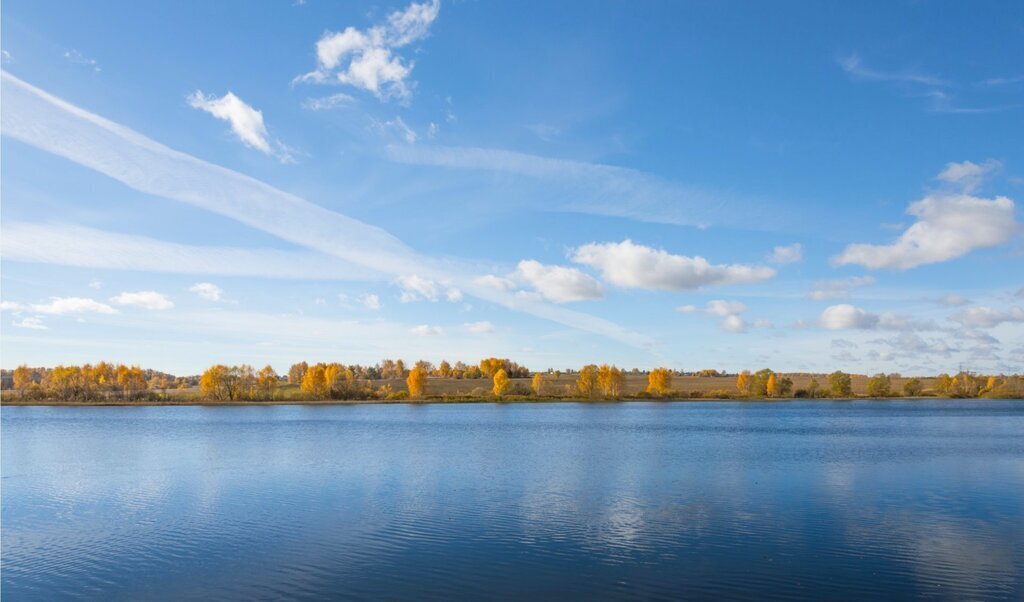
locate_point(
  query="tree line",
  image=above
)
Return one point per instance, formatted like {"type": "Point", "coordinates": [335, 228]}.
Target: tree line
{"type": "Point", "coordinates": [500, 378]}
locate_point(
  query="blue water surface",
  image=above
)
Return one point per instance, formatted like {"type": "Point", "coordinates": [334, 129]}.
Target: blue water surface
{"type": "Point", "coordinates": [719, 500]}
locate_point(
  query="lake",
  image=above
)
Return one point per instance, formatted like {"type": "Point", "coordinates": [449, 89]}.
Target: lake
{"type": "Point", "coordinates": [744, 501]}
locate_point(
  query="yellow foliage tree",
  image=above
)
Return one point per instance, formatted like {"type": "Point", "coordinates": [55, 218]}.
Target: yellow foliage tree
{"type": "Point", "coordinates": [537, 384]}
{"type": "Point", "coordinates": [444, 369]}
{"type": "Point", "coordinates": [417, 382]}
{"type": "Point", "coordinates": [659, 381]}
{"type": "Point", "coordinates": [610, 379]}
{"type": "Point", "coordinates": [501, 382]}
{"type": "Point", "coordinates": [314, 382]}
{"type": "Point", "coordinates": [743, 382]}
{"type": "Point", "coordinates": [586, 381]}
{"type": "Point", "coordinates": [22, 378]}
{"type": "Point", "coordinates": [266, 381]}
{"type": "Point", "coordinates": [771, 387]}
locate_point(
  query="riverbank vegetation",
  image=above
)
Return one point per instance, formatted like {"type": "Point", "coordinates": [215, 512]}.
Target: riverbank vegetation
{"type": "Point", "coordinates": [498, 379]}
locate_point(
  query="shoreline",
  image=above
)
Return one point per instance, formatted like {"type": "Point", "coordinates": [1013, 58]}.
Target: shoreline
{"type": "Point", "coordinates": [482, 400]}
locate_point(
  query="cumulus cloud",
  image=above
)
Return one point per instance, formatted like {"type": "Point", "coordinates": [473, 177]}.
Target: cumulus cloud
{"type": "Point", "coordinates": [11, 306]}
{"type": "Point", "coordinates": [208, 291]}
{"type": "Point", "coordinates": [425, 330]}
{"type": "Point", "coordinates": [415, 288]}
{"type": "Point", "coordinates": [949, 225]}
{"type": "Point", "coordinates": [787, 254]}
{"type": "Point", "coordinates": [631, 265]}
{"type": "Point", "coordinates": [838, 288]}
{"type": "Point", "coordinates": [367, 59]}
{"type": "Point", "coordinates": [33, 322]}
{"type": "Point", "coordinates": [454, 295]}
{"type": "Point", "coordinates": [845, 316]}
{"type": "Point", "coordinates": [483, 327]}
{"type": "Point", "coordinates": [849, 317]}
{"type": "Point", "coordinates": [557, 283]}
{"type": "Point", "coordinates": [730, 312]}
{"type": "Point", "coordinates": [246, 122]}
{"type": "Point", "coordinates": [986, 317]}
{"type": "Point", "coordinates": [686, 309]}
{"type": "Point", "coordinates": [72, 305]}
{"type": "Point", "coordinates": [144, 299]}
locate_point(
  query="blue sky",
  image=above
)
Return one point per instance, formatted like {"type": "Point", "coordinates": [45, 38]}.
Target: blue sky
{"type": "Point", "coordinates": [698, 185]}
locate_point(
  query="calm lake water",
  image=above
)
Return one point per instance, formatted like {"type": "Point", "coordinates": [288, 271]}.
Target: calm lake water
{"type": "Point", "coordinates": [815, 500]}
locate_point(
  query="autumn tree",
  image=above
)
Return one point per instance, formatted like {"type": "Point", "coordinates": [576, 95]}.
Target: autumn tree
{"type": "Point", "coordinates": [266, 382]}
{"type": "Point", "coordinates": [840, 384]}
{"type": "Point", "coordinates": [879, 385]}
{"type": "Point", "coordinates": [213, 383]}
{"type": "Point", "coordinates": [771, 386]}
{"type": "Point", "coordinates": [444, 369]}
{"type": "Point", "coordinates": [537, 384]}
{"type": "Point", "coordinates": [296, 372]}
{"type": "Point", "coordinates": [913, 387]}
{"type": "Point", "coordinates": [610, 380]}
{"type": "Point", "coordinates": [743, 382]}
{"type": "Point", "coordinates": [659, 381]}
{"type": "Point", "coordinates": [417, 382]}
{"type": "Point", "coordinates": [314, 382]}
{"type": "Point", "coordinates": [131, 380]}
{"type": "Point", "coordinates": [586, 381]}
{"type": "Point", "coordinates": [943, 383]}
{"type": "Point", "coordinates": [501, 382]}
{"type": "Point", "coordinates": [23, 378]}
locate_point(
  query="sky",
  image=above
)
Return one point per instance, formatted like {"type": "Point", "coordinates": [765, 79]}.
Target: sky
{"type": "Point", "coordinates": [799, 186]}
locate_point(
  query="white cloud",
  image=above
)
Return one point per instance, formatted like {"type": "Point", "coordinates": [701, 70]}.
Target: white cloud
{"type": "Point", "coordinates": [557, 283]}
{"type": "Point", "coordinates": [839, 288]}
{"type": "Point", "coordinates": [484, 327]}
{"type": "Point", "coordinates": [246, 122]}
{"type": "Point", "coordinates": [948, 226]}
{"type": "Point", "coordinates": [208, 291]}
{"type": "Point", "coordinates": [787, 254]}
{"type": "Point", "coordinates": [78, 58]}
{"type": "Point", "coordinates": [425, 330]}
{"type": "Point", "coordinates": [370, 301]}
{"type": "Point", "coordinates": [72, 305]}
{"type": "Point", "coordinates": [725, 308]}
{"type": "Point", "coordinates": [849, 317]}
{"type": "Point", "coordinates": [631, 265]}
{"type": "Point", "coordinates": [144, 299]}
{"type": "Point", "coordinates": [367, 59]}
{"type": "Point", "coordinates": [986, 317]}
{"type": "Point", "coordinates": [415, 288]}
{"type": "Point", "coordinates": [326, 103]}
{"type": "Point", "coordinates": [33, 322]}
{"type": "Point", "coordinates": [968, 175]}
{"type": "Point", "coordinates": [11, 306]}
{"type": "Point", "coordinates": [845, 316]}
{"type": "Point", "coordinates": [95, 284]}
{"type": "Point", "coordinates": [686, 309]}
{"type": "Point", "coordinates": [5, 57]}
{"type": "Point", "coordinates": [730, 312]}
{"type": "Point", "coordinates": [454, 295]}
{"type": "Point", "coordinates": [496, 282]}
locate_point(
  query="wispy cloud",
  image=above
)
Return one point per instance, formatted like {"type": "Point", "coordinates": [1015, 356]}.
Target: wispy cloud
{"type": "Point", "coordinates": [151, 300]}
{"type": "Point", "coordinates": [208, 291]}
{"type": "Point", "coordinates": [854, 65]}
{"type": "Point", "coordinates": [51, 124]}
{"type": "Point", "coordinates": [597, 189]}
{"type": "Point", "coordinates": [79, 246]}
{"type": "Point", "coordinates": [78, 58]}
